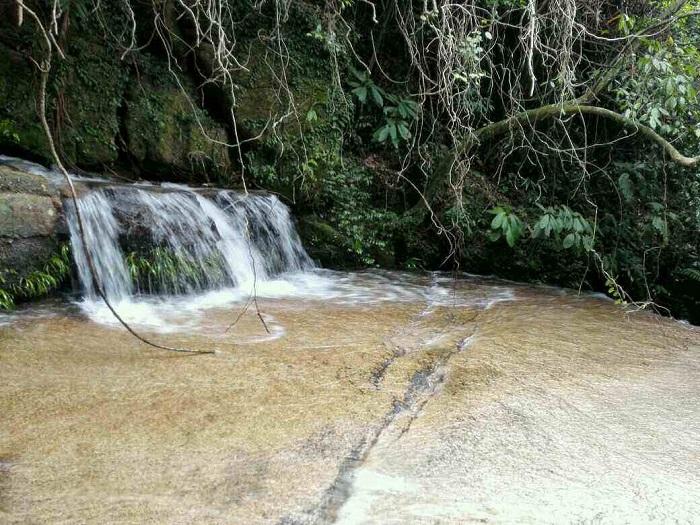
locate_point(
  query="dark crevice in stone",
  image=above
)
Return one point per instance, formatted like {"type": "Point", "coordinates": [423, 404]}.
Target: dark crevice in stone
{"type": "Point", "coordinates": [423, 386]}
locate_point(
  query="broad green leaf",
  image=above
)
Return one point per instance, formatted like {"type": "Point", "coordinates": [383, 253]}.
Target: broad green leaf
{"type": "Point", "coordinates": [625, 186]}
{"type": "Point", "coordinates": [381, 134]}
{"type": "Point", "coordinates": [497, 221]}
{"type": "Point", "coordinates": [393, 134]}
{"type": "Point", "coordinates": [360, 93]}
{"type": "Point", "coordinates": [569, 241]}
{"type": "Point", "coordinates": [511, 237]}
{"type": "Point", "coordinates": [376, 96]}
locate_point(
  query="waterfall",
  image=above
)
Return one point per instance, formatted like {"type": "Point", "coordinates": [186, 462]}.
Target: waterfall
{"type": "Point", "coordinates": [102, 237]}
{"type": "Point", "coordinates": [179, 241]}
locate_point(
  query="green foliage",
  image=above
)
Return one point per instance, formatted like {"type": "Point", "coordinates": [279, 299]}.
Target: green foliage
{"type": "Point", "coordinates": [398, 118]}
{"type": "Point", "coordinates": [565, 226]}
{"type": "Point", "coordinates": [505, 225]}
{"type": "Point", "coordinates": [363, 86]}
{"type": "Point", "coordinates": [661, 90]}
{"type": "Point", "coordinates": [345, 201]}
{"type": "Point", "coordinates": [691, 273]}
{"type": "Point", "coordinates": [399, 113]}
{"type": "Point", "coordinates": [615, 291]}
{"type": "Point", "coordinates": [7, 301]}
{"type": "Point", "coordinates": [37, 283]}
{"type": "Point", "coordinates": [568, 229]}
{"type": "Point", "coordinates": [8, 133]}
{"type": "Point", "coordinates": [160, 270]}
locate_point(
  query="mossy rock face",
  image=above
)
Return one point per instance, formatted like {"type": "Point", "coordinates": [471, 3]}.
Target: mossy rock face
{"type": "Point", "coordinates": [18, 89]}
{"type": "Point", "coordinates": [83, 96]}
{"type": "Point", "coordinates": [88, 92]}
{"type": "Point", "coordinates": [321, 240]}
{"type": "Point", "coordinates": [167, 135]}
{"type": "Point", "coordinates": [261, 94]}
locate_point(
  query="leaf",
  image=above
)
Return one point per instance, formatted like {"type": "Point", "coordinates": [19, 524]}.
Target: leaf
{"type": "Point", "coordinates": [569, 240]}
{"type": "Point", "coordinates": [497, 221]}
{"type": "Point", "coordinates": [659, 225]}
{"type": "Point", "coordinates": [376, 96]}
{"type": "Point", "coordinates": [511, 237]}
{"type": "Point", "coordinates": [514, 224]}
{"type": "Point", "coordinates": [494, 235]}
{"type": "Point", "coordinates": [393, 134]}
{"type": "Point", "coordinates": [403, 131]}
{"type": "Point", "coordinates": [625, 186]}
{"type": "Point", "coordinates": [360, 93]}
{"type": "Point", "coordinates": [359, 75]}
{"type": "Point", "coordinates": [382, 134]}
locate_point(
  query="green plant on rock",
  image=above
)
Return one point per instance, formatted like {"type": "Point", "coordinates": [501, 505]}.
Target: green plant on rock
{"type": "Point", "coordinates": [163, 270]}
{"type": "Point", "coordinates": [7, 302]}
{"type": "Point", "coordinates": [37, 283]}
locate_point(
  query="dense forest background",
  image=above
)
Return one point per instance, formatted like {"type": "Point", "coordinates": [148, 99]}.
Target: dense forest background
{"type": "Point", "coordinates": [543, 141]}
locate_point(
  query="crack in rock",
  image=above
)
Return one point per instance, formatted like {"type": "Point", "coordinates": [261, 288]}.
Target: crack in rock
{"type": "Point", "coordinates": [423, 386]}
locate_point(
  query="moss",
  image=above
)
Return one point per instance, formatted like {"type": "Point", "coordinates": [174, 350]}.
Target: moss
{"type": "Point", "coordinates": [321, 240]}
{"type": "Point", "coordinates": [164, 129]}
{"type": "Point", "coordinates": [18, 88]}
{"type": "Point", "coordinates": [83, 96]}
{"type": "Point", "coordinates": [89, 88]}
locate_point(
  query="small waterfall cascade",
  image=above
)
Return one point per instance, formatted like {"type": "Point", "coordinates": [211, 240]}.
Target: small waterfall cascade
{"type": "Point", "coordinates": [176, 241]}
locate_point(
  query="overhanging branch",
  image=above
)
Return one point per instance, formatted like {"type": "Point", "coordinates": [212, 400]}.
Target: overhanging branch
{"type": "Point", "coordinates": [559, 110]}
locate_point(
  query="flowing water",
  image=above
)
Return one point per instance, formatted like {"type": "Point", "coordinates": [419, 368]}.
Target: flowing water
{"type": "Point", "coordinates": [372, 397]}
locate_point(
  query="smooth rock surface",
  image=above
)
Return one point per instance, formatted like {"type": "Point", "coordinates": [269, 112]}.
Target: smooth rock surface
{"type": "Point", "coordinates": [465, 402]}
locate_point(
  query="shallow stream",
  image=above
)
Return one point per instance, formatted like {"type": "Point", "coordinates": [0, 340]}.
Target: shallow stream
{"type": "Point", "coordinates": [375, 398]}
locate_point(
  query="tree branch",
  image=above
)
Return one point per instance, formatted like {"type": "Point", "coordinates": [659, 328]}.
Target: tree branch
{"type": "Point", "coordinates": [557, 110]}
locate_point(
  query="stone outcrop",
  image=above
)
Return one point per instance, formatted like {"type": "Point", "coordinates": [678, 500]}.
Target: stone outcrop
{"type": "Point", "coordinates": [31, 222]}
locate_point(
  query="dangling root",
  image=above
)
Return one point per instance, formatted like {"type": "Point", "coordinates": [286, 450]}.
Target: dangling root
{"type": "Point", "coordinates": [45, 68]}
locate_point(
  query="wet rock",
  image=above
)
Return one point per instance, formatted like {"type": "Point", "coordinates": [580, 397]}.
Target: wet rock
{"type": "Point", "coordinates": [559, 409]}
{"type": "Point", "coordinates": [26, 215]}
{"type": "Point", "coordinates": [31, 222]}
{"type": "Point", "coordinates": [18, 181]}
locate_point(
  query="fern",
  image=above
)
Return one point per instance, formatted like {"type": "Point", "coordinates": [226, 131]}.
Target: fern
{"type": "Point", "coordinates": [37, 283]}
{"type": "Point", "coordinates": [691, 273]}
